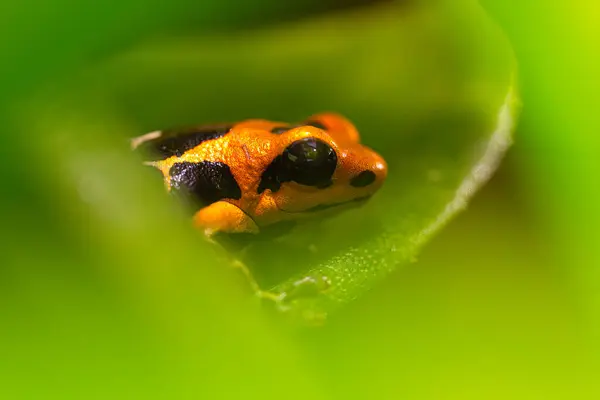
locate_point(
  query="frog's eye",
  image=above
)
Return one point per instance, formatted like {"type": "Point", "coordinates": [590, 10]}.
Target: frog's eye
{"type": "Point", "coordinates": [309, 162]}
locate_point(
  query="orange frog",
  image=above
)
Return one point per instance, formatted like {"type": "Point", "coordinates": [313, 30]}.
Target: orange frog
{"type": "Point", "coordinates": [247, 176]}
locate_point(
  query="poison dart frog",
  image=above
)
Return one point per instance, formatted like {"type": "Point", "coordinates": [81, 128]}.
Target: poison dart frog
{"type": "Point", "coordinates": [247, 176]}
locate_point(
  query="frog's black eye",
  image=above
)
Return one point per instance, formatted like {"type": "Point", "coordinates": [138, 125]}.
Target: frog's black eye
{"type": "Point", "coordinates": [309, 162]}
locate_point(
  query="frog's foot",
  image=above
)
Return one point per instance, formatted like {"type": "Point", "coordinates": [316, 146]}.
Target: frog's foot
{"type": "Point", "coordinates": [238, 264]}
{"type": "Point", "coordinates": [276, 298]}
{"type": "Point", "coordinates": [306, 287]}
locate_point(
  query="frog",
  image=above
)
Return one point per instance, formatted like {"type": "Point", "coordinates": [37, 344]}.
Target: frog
{"type": "Point", "coordinates": [248, 176]}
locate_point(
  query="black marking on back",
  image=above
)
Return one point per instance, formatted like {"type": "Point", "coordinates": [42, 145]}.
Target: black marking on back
{"type": "Point", "coordinates": [315, 124]}
{"type": "Point", "coordinates": [278, 130]}
{"type": "Point", "coordinates": [175, 142]}
{"type": "Point", "coordinates": [201, 184]}
{"type": "Point", "coordinates": [273, 176]}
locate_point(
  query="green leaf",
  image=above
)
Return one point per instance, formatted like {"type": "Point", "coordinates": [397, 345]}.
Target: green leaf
{"type": "Point", "coordinates": [430, 87]}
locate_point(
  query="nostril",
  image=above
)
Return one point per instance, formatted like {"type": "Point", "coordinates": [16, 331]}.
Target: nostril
{"type": "Point", "coordinates": [365, 178]}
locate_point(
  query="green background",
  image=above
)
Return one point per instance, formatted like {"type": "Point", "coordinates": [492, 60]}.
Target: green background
{"type": "Point", "coordinates": [107, 293]}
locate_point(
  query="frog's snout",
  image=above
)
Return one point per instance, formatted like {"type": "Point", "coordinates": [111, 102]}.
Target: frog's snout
{"type": "Point", "coordinates": [366, 169]}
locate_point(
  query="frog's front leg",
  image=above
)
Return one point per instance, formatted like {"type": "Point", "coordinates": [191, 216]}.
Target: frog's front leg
{"type": "Point", "coordinates": [222, 216]}
{"type": "Point", "coordinates": [228, 218]}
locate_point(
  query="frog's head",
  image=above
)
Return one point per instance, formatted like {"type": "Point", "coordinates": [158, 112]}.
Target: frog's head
{"type": "Point", "coordinates": [322, 166]}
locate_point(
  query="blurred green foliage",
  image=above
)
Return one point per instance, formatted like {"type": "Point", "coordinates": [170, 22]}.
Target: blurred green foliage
{"type": "Point", "coordinates": [107, 293]}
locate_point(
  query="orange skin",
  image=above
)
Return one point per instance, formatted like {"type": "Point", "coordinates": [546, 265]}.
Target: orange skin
{"type": "Point", "coordinates": [250, 147]}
